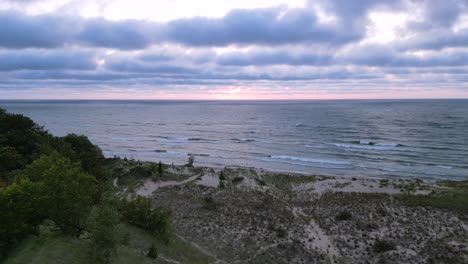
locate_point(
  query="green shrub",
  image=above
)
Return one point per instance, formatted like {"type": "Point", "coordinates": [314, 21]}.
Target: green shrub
{"type": "Point", "coordinates": [343, 216]}
{"type": "Point", "coordinates": [209, 203]}
{"type": "Point", "coordinates": [140, 212]}
{"type": "Point", "coordinates": [383, 246]}
{"type": "Point", "coordinates": [237, 180]}
{"type": "Point", "coordinates": [153, 253]}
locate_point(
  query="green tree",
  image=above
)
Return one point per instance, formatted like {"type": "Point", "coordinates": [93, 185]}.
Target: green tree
{"type": "Point", "coordinates": [190, 161]}
{"type": "Point", "coordinates": [88, 154]}
{"type": "Point", "coordinates": [10, 160]}
{"type": "Point", "coordinates": [160, 169]}
{"type": "Point", "coordinates": [105, 228]}
{"type": "Point", "coordinates": [140, 212]}
{"type": "Point", "coordinates": [21, 133]}
{"type": "Point", "coordinates": [21, 211]}
{"type": "Point", "coordinates": [69, 191]}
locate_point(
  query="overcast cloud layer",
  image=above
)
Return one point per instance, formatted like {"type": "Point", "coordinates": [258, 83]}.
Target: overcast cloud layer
{"type": "Point", "coordinates": [322, 49]}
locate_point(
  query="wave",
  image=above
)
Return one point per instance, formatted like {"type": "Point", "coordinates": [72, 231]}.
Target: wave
{"type": "Point", "coordinates": [311, 164]}
{"type": "Point", "coordinates": [377, 146]}
{"type": "Point", "coordinates": [181, 139]}
{"type": "Point", "coordinates": [284, 157]}
{"type": "Point", "coordinates": [444, 167]}
{"type": "Point", "coordinates": [313, 146]}
{"type": "Point", "coordinates": [242, 140]}
{"type": "Point", "coordinates": [371, 143]}
{"type": "Point", "coordinates": [129, 139]}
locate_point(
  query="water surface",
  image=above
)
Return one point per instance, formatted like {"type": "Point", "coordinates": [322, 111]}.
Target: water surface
{"type": "Point", "coordinates": [426, 139]}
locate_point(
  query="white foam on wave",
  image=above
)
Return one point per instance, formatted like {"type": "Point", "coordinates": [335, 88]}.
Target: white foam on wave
{"type": "Point", "coordinates": [128, 139]}
{"type": "Point", "coordinates": [313, 146]}
{"type": "Point", "coordinates": [243, 140]}
{"type": "Point", "coordinates": [370, 147]}
{"type": "Point", "coordinates": [284, 157]}
{"type": "Point", "coordinates": [444, 167]}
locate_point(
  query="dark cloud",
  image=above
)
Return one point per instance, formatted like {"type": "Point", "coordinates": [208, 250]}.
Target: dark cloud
{"type": "Point", "coordinates": [23, 31]}
{"type": "Point", "coordinates": [272, 26]}
{"type": "Point", "coordinates": [46, 60]}
{"type": "Point", "coordinates": [275, 57]}
{"type": "Point", "coordinates": [128, 34]}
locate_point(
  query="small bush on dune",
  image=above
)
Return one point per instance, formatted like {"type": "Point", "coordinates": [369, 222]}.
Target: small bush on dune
{"type": "Point", "coordinates": [153, 253]}
{"type": "Point", "coordinates": [237, 180]}
{"type": "Point", "coordinates": [343, 216]}
{"type": "Point", "coordinates": [141, 213]}
{"type": "Point", "coordinates": [383, 246]}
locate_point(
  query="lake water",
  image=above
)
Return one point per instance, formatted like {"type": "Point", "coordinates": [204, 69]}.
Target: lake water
{"type": "Point", "coordinates": [426, 139]}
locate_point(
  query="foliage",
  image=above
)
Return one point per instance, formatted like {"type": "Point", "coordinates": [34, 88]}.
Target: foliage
{"type": "Point", "coordinates": [141, 213]}
{"type": "Point", "coordinates": [221, 176]}
{"type": "Point", "coordinates": [343, 216]}
{"type": "Point", "coordinates": [22, 134]}
{"type": "Point", "coordinates": [105, 228]}
{"type": "Point", "coordinates": [237, 180]}
{"type": "Point", "coordinates": [190, 161]}
{"type": "Point", "coordinates": [87, 153]}
{"type": "Point", "coordinates": [383, 246]}
{"type": "Point", "coordinates": [153, 253]}
{"type": "Point", "coordinates": [21, 210]}
{"type": "Point", "coordinates": [69, 191]}
{"type": "Point", "coordinates": [209, 203]}
{"type": "Point", "coordinates": [455, 198]}
{"type": "Point", "coordinates": [160, 169]}
{"type": "Point", "coordinates": [141, 171]}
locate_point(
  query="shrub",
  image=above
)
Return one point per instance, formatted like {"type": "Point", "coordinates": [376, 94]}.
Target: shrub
{"type": "Point", "coordinates": [383, 246]}
{"type": "Point", "coordinates": [190, 161]}
{"type": "Point", "coordinates": [105, 221]}
{"type": "Point", "coordinates": [221, 176]}
{"type": "Point", "coordinates": [140, 212]}
{"type": "Point", "coordinates": [237, 179]}
{"type": "Point", "coordinates": [152, 253]}
{"type": "Point", "coordinates": [343, 216]}
{"type": "Point", "coordinates": [160, 169]}
{"type": "Point", "coordinates": [209, 203]}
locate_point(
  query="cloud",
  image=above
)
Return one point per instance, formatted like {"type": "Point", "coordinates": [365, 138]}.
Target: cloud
{"type": "Point", "coordinates": [34, 59]}
{"type": "Point", "coordinates": [270, 26]}
{"type": "Point", "coordinates": [325, 44]}
{"type": "Point", "coordinates": [22, 31]}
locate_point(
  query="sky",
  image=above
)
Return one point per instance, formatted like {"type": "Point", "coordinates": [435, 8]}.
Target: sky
{"type": "Point", "coordinates": [243, 49]}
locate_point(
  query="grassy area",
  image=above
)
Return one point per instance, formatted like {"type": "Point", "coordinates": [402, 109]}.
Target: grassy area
{"type": "Point", "coordinates": [284, 181]}
{"type": "Point", "coordinates": [53, 247]}
{"type": "Point", "coordinates": [454, 197]}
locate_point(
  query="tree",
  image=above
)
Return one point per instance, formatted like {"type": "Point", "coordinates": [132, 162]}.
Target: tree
{"type": "Point", "coordinates": [10, 160]}
{"type": "Point", "coordinates": [21, 211]}
{"type": "Point", "coordinates": [141, 213]}
{"type": "Point", "coordinates": [68, 190]}
{"type": "Point", "coordinates": [21, 133]}
{"type": "Point", "coordinates": [160, 169]}
{"type": "Point", "coordinates": [105, 228]}
{"type": "Point", "coordinates": [87, 153]}
{"type": "Point", "coordinates": [153, 252]}
{"type": "Point", "coordinates": [190, 162]}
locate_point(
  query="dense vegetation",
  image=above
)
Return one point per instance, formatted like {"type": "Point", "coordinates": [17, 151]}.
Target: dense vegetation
{"type": "Point", "coordinates": [63, 179]}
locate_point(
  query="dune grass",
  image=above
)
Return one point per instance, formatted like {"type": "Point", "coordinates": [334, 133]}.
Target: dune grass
{"type": "Point", "coordinates": [453, 198]}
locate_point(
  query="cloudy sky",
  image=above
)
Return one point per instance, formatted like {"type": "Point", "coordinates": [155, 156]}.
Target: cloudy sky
{"type": "Point", "coordinates": [243, 49]}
